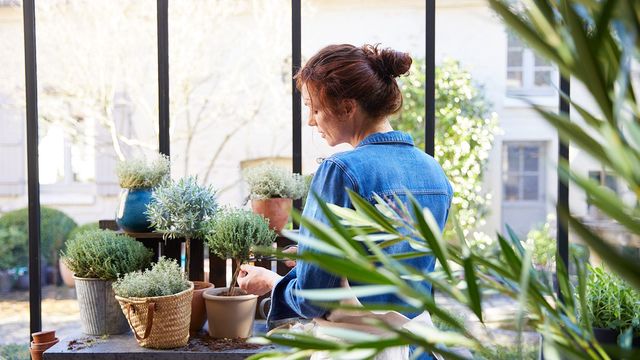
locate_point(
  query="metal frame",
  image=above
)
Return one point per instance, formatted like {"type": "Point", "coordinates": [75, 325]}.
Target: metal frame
{"type": "Point", "coordinates": [163, 77]}
{"type": "Point", "coordinates": [31, 85]}
{"type": "Point", "coordinates": [562, 233]}
{"type": "Point", "coordinates": [430, 79]}
{"type": "Point", "coordinates": [296, 106]}
{"type": "Point", "coordinates": [163, 122]}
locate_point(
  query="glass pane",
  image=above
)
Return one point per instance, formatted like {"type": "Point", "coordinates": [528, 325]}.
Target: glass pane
{"type": "Point", "coordinates": [514, 79]}
{"type": "Point", "coordinates": [540, 61]}
{"type": "Point", "coordinates": [531, 158]}
{"type": "Point", "coordinates": [513, 158]}
{"type": "Point", "coordinates": [611, 183]}
{"type": "Point", "coordinates": [542, 78]}
{"type": "Point", "coordinates": [511, 186]}
{"type": "Point", "coordinates": [514, 58]}
{"type": "Point", "coordinates": [530, 185]}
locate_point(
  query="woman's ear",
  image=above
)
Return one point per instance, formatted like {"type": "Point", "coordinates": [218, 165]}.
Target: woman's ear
{"type": "Point", "coordinates": [349, 107]}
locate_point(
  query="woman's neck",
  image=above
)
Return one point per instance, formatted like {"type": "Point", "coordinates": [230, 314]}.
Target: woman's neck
{"type": "Point", "coordinates": [379, 127]}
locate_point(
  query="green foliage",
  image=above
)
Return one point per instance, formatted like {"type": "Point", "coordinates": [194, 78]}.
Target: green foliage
{"type": "Point", "coordinates": [139, 173]}
{"type": "Point", "coordinates": [103, 254]}
{"type": "Point", "coordinates": [163, 278]}
{"type": "Point", "coordinates": [55, 227]}
{"type": "Point", "coordinates": [180, 208]}
{"type": "Point", "coordinates": [465, 129]}
{"type": "Point", "coordinates": [270, 181]}
{"type": "Point", "coordinates": [499, 352]}
{"type": "Point", "coordinates": [15, 352]}
{"type": "Point", "coordinates": [13, 243]}
{"type": "Point", "coordinates": [233, 233]}
{"type": "Point", "coordinates": [543, 246]}
{"type": "Point", "coordinates": [83, 228]}
{"type": "Point", "coordinates": [611, 302]}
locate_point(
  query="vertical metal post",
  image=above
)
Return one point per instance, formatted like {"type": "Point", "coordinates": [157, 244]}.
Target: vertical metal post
{"type": "Point", "coordinates": [563, 188]}
{"type": "Point", "coordinates": [163, 76]}
{"type": "Point", "coordinates": [430, 79]}
{"type": "Point", "coordinates": [31, 85]}
{"type": "Point", "coordinates": [296, 118]}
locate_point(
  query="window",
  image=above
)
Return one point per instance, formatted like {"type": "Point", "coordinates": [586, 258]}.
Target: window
{"type": "Point", "coordinates": [604, 179]}
{"type": "Point", "coordinates": [527, 73]}
{"type": "Point", "coordinates": [523, 179]}
{"type": "Point", "coordinates": [67, 157]}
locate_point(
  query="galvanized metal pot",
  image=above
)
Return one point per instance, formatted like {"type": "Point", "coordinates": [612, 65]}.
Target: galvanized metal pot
{"type": "Point", "coordinates": [100, 312]}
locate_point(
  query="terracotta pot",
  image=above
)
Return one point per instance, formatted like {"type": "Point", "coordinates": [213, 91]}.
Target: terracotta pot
{"type": "Point", "coordinates": [44, 346]}
{"type": "Point", "coordinates": [198, 309]}
{"type": "Point", "coordinates": [43, 336]}
{"type": "Point", "coordinates": [66, 274]}
{"type": "Point", "coordinates": [230, 317]}
{"type": "Point", "coordinates": [276, 210]}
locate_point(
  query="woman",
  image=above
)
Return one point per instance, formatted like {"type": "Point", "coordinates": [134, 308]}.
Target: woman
{"type": "Point", "coordinates": [350, 93]}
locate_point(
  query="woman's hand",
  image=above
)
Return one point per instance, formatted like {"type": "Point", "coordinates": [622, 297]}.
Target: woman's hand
{"type": "Point", "coordinates": [290, 250]}
{"type": "Point", "coordinates": [257, 280]}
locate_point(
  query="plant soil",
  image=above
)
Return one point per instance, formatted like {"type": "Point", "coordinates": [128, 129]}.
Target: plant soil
{"type": "Point", "coordinates": [203, 342]}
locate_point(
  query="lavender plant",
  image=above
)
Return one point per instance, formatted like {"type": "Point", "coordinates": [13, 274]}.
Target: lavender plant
{"type": "Point", "coordinates": [270, 181]}
{"type": "Point", "coordinates": [164, 278]}
{"type": "Point", "coordinates": [180, 209]}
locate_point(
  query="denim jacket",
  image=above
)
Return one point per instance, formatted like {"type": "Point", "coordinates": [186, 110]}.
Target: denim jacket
{"type": "Point", "coordinates": [386, 164]}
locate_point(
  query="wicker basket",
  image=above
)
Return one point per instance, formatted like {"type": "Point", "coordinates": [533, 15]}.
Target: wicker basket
{"type": "Point", "coordinates": [160, 322]}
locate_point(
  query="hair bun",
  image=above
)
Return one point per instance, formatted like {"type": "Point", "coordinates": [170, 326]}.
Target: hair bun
{"type": "Point", "coordinates": [388, 62]}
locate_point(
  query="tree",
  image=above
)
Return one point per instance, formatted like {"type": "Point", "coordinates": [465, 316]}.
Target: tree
{"type": "Point", "coordinates": [465, 129]}
{"type": "Point", "coordinates": [98, 60]}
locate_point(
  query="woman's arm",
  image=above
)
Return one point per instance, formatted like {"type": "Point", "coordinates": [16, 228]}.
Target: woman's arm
{"type": "Point", "coordinates": [329, 183]}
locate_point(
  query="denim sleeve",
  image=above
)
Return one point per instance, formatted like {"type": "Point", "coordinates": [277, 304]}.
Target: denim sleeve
{"type": "Point", "coordinates": [329, 183]}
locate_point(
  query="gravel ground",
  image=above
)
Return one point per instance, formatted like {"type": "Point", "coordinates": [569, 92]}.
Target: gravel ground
{"type": "Point", "coordinates": [60, 312]}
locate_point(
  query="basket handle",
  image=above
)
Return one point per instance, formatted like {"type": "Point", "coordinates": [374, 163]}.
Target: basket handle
{"type": "Point", "coordinates": [151, 308]}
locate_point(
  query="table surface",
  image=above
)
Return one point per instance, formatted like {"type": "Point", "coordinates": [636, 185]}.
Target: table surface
{"type": "Point", "coordinates": [82, 346]}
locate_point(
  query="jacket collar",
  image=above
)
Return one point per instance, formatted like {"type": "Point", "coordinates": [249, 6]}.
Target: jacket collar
{"type": "Point", "coordinates": [391, 137]}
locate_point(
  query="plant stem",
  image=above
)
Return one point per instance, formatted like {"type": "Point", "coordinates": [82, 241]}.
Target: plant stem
{"type": "Point", "coordinates": [234, 278]}
{"type": "Point", "coordinates": [187, 251]}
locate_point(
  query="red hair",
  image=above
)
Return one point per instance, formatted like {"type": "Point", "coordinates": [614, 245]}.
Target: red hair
{"type": "Point", "coordinates": [365, 74]}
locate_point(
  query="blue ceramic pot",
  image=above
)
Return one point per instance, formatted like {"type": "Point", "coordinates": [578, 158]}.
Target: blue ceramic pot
{"type": "Point", "coordinates": [130, 216]}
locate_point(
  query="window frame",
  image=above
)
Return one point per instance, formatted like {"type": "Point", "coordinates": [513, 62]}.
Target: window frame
{"type": "Point", "coordinates": [540, 173]}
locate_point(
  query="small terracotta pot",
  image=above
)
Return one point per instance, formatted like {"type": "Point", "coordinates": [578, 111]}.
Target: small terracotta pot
{"type": "Point", "coordinates": [43, 346]}
{"type": "Point", "coordinates": [276, 210]}
{"type": "Point", "coordinates": [43, 336]}
{"type": "Point", "coordinates": [230, 317]}
{"type": "Point", "coordinates": [66, 274]}
{"type": "Point", "coordinates": [198, 309]}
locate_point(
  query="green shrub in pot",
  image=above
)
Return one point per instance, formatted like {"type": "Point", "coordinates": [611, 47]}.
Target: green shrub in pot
{"type": "Point", "coordinates": [97, 258]}
{"type": "Point", "coordinates": [611, 302]}
{"type": "Point", "coordinates": [157, 303]}
{"type": "Point", "coordinates": [234, 233]}
{"type": "Point", "coordinates": [272, 189]}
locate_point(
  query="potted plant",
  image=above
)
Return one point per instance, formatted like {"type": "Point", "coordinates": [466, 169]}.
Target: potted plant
{"type": "Point", "coordinates": [65, 273]}
{"type": "Point", "coordinates": [613, 306]}
{"type": "Point", "coordinates": [233, 234]}
{"type": "Point", "coordinates": [157, 304]}
{"type": "Point", "coordinates": [97, 258]}
{"type": "Point", "coordinates": [272, 189]}
{"type": "Point", "coordinates": [180, 210]}
{"type": "Point", "coordinates": [137, 178]}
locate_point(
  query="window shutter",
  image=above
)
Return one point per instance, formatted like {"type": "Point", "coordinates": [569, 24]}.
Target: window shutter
{"type": "Point", "coordinates": [12, 150]}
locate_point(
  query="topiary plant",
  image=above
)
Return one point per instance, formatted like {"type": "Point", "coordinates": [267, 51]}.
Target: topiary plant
{"type": "Point", "coordinates": [233, 233]}
{"type": "Point", "coordinates": [162, 279]}
{"type": "Point", "coordinates": [55, 227]}
{"type": "Point", "coordinates": [104, 254]}
{"type": "Point", "coordinates": [13, 243]}
{"type": "Point", "coordinates": [269, 181]}
{"type": "Point", "coordinates": [140, 173]}
{"type": "Point", "coordinates": [180, 209]}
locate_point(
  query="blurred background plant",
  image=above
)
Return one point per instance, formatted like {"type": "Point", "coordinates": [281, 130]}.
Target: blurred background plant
{"type": "Point", "coordinates": [465, 131]}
